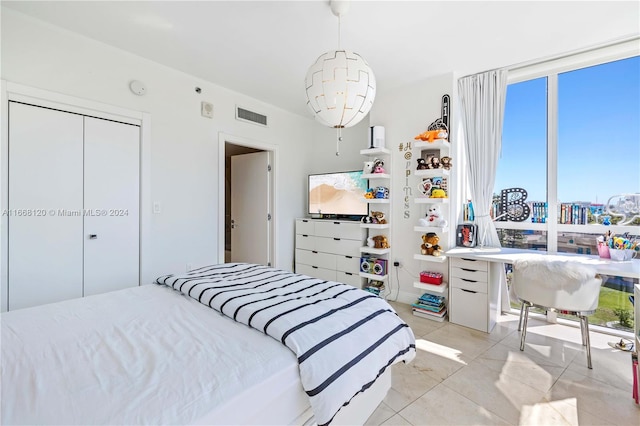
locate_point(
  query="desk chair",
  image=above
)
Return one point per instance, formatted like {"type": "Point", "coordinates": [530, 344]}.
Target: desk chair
{"type": "Point", "coordinates": [552, 284]}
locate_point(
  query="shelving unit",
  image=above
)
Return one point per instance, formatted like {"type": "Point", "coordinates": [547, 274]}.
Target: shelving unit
{"type": "Point", "coordinates": [433, 262]}
{"type": "Point", "coordinates": [636, 332]}
{"type": "Point", "coordinates": [383, 205]}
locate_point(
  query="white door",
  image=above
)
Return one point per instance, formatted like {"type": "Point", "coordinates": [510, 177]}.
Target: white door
{"type": "Point", "coordinates": [112, 204]}
{"type": "Point", "coordinates": [45, 206]}
{"type": "Point", "coordinates": [250, 236]}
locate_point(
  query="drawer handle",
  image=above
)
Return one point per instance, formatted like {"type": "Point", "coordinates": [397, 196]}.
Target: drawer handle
{"type": "Point", "coordinates": [349, 257]}
{"type": "Point", "coordinates": [348, 273]}
{"type": "Point", "coordinates": [304, 235]}
{"type": "Point", "coordinates": [337, 239]}
{"type": "Point", "coordinates": [469, 281]}
{"type": "Point", "coordinates": [469, 291]}
{"type": "Point", "coordinates": [305, 220]}
{"type": "Point", "coordinates": [469, 260]}
{"type": "Point", "coordinates": [313, 251]}
{"type": "Point", "coordinates": [468, 270]}
{"type": "Point", "coordinates": [336, 223]}
{"type": "Point", "coordinates": [314, 267]}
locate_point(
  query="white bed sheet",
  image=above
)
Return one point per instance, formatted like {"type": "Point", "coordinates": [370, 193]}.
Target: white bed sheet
{"type": "Point", "coordinates": [163, 359]}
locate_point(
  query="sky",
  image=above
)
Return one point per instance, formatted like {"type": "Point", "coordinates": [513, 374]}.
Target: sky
{"type": "Point", "coordinates": [598, 134]}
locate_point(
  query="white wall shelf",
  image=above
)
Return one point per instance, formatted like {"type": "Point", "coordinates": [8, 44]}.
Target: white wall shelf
{"type": "Point", "coordinates": [375, 225]}
{"type": "Point", "coordinates": [377, 200]}
{"type": "Point", "coordinates": [441, 289]}
{"type": "Point", "coordinates": [374, 276]}
{"type": "Point", "coordinates": [375, 151]}
{"type": "Point", "coordinates": [376, 176]}
{"type": "Point", "coordinates": [431, 200]}
{"type": "Point", "coordinates": [436, 229]}
{"type": "Point", "coordinates": [427, 258]}
{"type": "Point", "coordinates": [433, 172]}
{"type": "Point", "coordinates": [440, 144]}
{"type": "Point", "coordinates": [374, 250]}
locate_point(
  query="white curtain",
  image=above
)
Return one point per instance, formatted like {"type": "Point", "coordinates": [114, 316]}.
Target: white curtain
{"type": "Point", "coordinates": [482, 99]}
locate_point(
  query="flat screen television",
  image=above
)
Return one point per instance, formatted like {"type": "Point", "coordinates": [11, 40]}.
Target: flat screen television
{"type": "Point", "coordinates": [338, 195]}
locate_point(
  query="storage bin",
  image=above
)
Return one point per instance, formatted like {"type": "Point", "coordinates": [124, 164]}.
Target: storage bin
{"type": "Point", "coordinates": [430, 277]}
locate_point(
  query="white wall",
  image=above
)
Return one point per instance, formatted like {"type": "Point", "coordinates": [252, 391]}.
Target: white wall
{"type": "Point", "coordinates": [184, 145]}
{"type": "Point", "coordinates": [406, 112]}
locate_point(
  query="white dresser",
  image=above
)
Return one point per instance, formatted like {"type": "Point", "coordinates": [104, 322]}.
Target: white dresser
{"type": "Point", "coordinates": [329, 249]}
{"type": "Point", "coordinates": [474, 289]}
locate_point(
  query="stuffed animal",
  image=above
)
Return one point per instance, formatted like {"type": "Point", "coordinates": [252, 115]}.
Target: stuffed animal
{"type": "Point", "coordinates": [370, 194]}
{"type": "Point", "coordinates": [438, 193]}
{"type": "Point", "coordinates": [378, 166]}
{"type": "Point", "coordinates": [381, 192]}
{"type": "Point", "coordinates": [380, 241]}
{"type": "Point", "coordinates": [422, 164]}
{"type": "Point", "coordinates": [434, 163]}
{"type": "Point", "coordinates": [433, 218]}
{"type": "Point", "coordinates": [378, 217]}
{"type": "Point", "coordinates": [367, 219]}
{"type": "Point", "coordinates": [432, 135]}
{"type": "Point", "coordinates": [445, 162]}
{"type": "Point", "coordinates": [368, 167]}
{"type": "Point", "coordinates": [370, 242]}
{"type": "Point", "coordinates": [429, 246]}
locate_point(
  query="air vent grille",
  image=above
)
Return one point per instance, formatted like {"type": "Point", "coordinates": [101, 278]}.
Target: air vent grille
{"type": "Point", "coordinates": [253, 117]}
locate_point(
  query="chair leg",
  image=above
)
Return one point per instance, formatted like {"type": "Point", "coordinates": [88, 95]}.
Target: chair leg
{"type": "Point", "coordinates": [523, 333]}
{"type": "Point", "coordinates": [588, 342]}
{"type": "Point", "coordinates": [582, 333]}
{"type": "Point", "coordinates": [521, 312]}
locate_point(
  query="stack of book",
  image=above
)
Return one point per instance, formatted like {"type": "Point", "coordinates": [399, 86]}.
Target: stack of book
{"type": "Point", "coordinates": [430, 306]}
{"type": "Point", "coordinates": [375, 287]}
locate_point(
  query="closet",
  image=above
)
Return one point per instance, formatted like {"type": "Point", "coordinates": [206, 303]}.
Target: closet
{"type": "Point", "coordinates": [73, 205]}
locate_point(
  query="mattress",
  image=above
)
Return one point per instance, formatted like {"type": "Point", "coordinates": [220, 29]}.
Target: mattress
{"type": "Point", "coordinates": [144, 355]}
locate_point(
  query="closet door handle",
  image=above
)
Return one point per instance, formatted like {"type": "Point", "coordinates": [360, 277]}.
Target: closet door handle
{"type": "Point", "coordinates": [93, 236]}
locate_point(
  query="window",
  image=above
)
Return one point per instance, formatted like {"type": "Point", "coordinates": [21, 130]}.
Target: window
{"type": "Point", "coordinates": [571, 143]}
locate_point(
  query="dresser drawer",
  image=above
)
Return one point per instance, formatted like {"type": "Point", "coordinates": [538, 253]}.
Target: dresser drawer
{"type": "Point", "coordinates": [305, 242]}
{"type": "Point", "coordinates": [305, 227]}
{"type": "Point", "coordinates": [469, 274]}
{"type": "Point", "coordinates": [348, 263]}
{"type": "Point", "coordinates": [314, 258]}
{"type": "Point", "coordinates": [338, 246]}
{"type": "Point", "coordinates": [467, 284]}
{"type": "Point", "coordinates": [468, 309]}
{"type": "Point", "coordinates": [315, 272]}
{"type": "Point", "coordinates": [476, 265]}
{"type": "Point", "coordinates": [344, 230]}
{"type": "Point", "coordinates": [351, 278]}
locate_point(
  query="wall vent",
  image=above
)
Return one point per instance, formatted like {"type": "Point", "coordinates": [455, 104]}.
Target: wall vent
{"type": "Point", "coordinates": [250, 116]}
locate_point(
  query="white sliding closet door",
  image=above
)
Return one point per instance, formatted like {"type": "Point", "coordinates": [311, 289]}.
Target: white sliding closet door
{"type": "Point", "coordinates": [45, 182]}
{"type": "Point", "coordinates": [112, 203]}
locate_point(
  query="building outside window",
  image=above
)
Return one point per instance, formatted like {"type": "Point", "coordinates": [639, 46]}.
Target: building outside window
{"type": "Point", "coordinates": [570, 164]}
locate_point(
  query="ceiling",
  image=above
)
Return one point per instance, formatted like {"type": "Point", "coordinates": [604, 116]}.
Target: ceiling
{"type": "Point", "coordinates": [264, 48]}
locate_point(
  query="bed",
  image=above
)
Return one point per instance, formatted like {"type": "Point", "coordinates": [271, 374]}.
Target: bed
{"type": "Point", "coordinates": [192, 349]}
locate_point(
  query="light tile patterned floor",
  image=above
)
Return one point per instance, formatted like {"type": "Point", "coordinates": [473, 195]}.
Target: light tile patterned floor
{"type": "Point", "coordinates": [465, 377]}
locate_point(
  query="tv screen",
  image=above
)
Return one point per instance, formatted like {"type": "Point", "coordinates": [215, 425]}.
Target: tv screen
{"type": "Point", "coordinates": [338, 194]}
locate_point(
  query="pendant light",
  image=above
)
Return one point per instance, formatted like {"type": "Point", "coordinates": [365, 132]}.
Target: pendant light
{"type": "Point", "coordinates": [340, 85]}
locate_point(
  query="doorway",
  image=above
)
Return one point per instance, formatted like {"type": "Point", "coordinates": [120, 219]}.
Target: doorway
{"type": "Point", "coordinates": [247, 201]}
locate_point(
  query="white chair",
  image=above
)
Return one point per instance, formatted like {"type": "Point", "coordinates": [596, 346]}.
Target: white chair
{"type": "Point", "coordinates": [551, 283]}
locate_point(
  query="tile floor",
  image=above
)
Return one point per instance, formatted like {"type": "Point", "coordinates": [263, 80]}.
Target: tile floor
{"type": "Point", "coordinates": [465, 377]}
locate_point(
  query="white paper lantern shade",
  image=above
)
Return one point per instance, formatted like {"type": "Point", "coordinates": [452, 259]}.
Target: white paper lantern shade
{"type": "Point", "coordinates": [340, 88]}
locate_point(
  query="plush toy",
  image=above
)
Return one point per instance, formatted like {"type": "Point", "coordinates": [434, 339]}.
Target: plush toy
{"type": "Point", "coordinates": [432, 135]}
{"type": "Point", "coordinates": [422, 164]}
{"type": "Point", "coordinates": [367, 219]}
{"type": "Point", "coordinates": [445, 162]}
{"type": "Point", "coordinates": [381, 192]}
{"type": "Point", "coordinates": [380, 242]}
{"type": "Point", "coordinates": [433, 218]}
{"type": "Point", "coordinates": [378, 217]}
{"type": "Point", "coordinates": [378, 166]}
{"type": "Point", "coordinates": [429, 246]}
{"type": "Point", "coordinates": [434, 163]}
{"type": "Point", "coordinates": [370, 242]}
{"type": "Point", "coordinates": [438, 193]}
{"type": "Point", "coordinates": [368, 167]}
{"type": "Point", "coordinates": [370, 194]}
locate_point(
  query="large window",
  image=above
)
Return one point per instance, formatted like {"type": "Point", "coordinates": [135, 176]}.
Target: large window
{"type": "Point", "coordinates": [571, 144]}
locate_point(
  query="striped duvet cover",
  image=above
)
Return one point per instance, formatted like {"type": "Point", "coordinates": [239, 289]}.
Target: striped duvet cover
{"type": "Point", "coordinates": [344, 338]}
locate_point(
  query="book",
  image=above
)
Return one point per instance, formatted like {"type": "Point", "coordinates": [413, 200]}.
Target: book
{"type": "Point", "coordinates": [427, 316]}
{"type": "Point", "coordinates": [438, 313]}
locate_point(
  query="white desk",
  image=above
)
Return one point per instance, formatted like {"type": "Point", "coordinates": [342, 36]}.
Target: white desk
{"type": "Point", "coordinates": [466, 310]}
{"type": "Point", "coordinates": [629, 269]}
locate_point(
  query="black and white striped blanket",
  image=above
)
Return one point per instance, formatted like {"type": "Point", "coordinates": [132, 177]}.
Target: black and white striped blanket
{"type": "Point", "coordinates": [344, 337]}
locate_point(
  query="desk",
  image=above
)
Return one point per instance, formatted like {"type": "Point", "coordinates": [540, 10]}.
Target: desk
{"type": "Point", "coordinates": [466, 310]}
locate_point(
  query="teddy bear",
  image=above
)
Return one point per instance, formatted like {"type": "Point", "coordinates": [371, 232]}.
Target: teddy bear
{"type": "Point", "coordinates": [378, 217]}
{"type": "Point", "coordinates": [433, 218]}
{"type": "Point", "coordinates": [422, 164]}
{"type": "Point", "coordinates": [445, 162]}
{"type": "Point", "coordinates": [429, 246]}
{"type": "Point", "coordinates": [380, 242]}
{"type": "Point", "coordinates": [434, 163]}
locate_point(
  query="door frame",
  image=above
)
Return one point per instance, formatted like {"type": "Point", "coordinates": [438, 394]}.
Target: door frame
{"type": "Point", "coordinates": [10, 91]}
{"type": "Point", "coordinates": [223, 138]}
